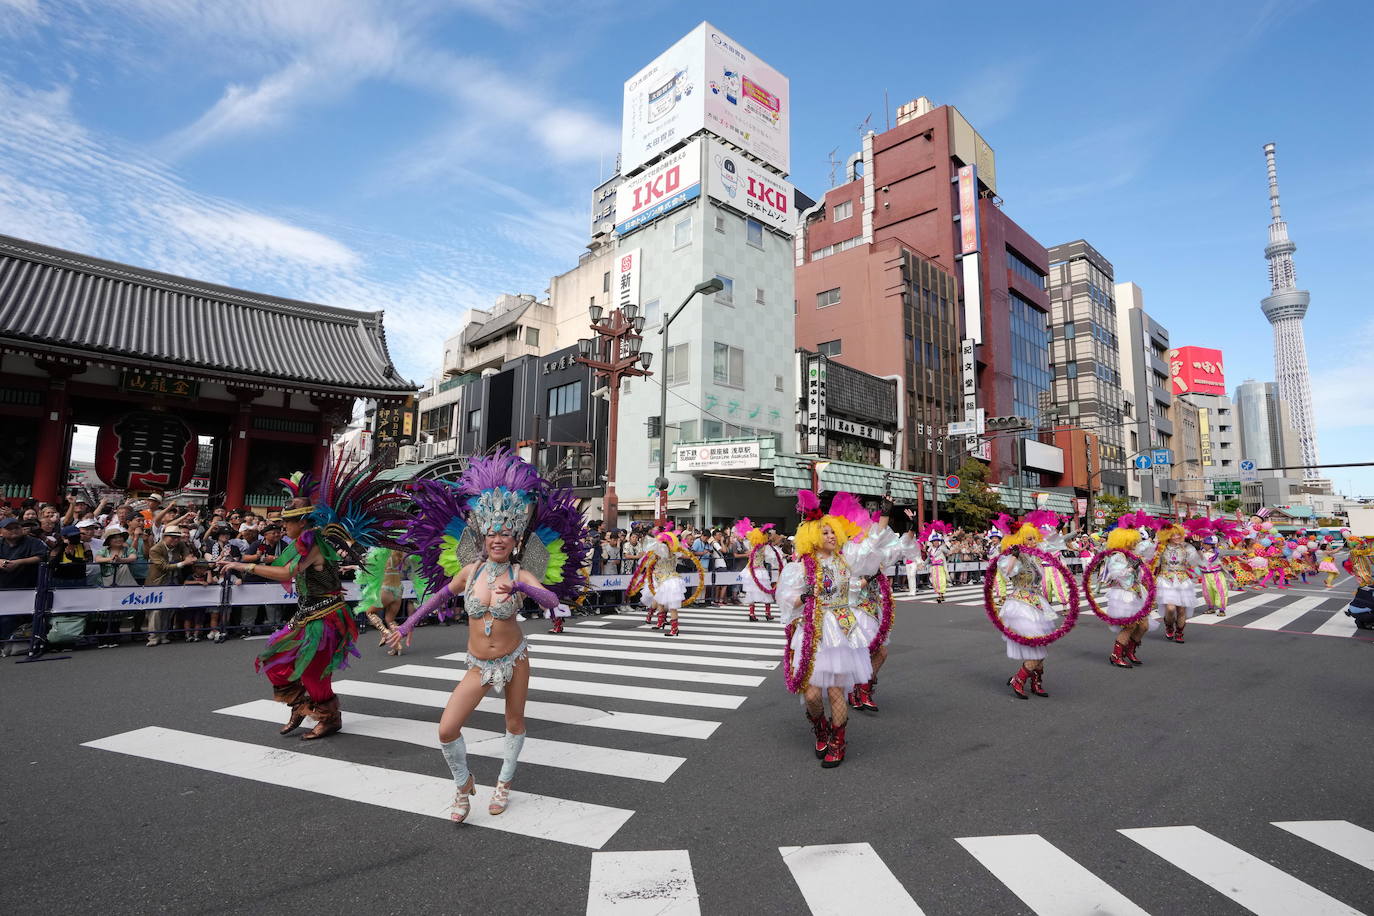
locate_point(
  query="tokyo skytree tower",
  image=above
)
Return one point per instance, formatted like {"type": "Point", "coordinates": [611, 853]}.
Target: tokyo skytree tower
{"type": "Point", "coordinates": [1285, 307]}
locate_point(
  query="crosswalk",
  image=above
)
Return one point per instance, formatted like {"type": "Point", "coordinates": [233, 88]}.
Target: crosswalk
{"type": "Point", "coordinates": [603, 676]}
{"type": "Point", "coordinates": [1275, 610]}
{"type": "Point", "coordinates": [844, 878]}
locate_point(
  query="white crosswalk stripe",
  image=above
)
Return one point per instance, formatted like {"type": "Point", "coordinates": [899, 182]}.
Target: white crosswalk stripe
{"type": "Point", "coordinates": [1249, 603]}
{"type": "Point", "coordinates": [588, 688]}
{"type": "Point", "coordinates": [642, 883]}
{"type": "Point", "coordinates": [1281, 618]}
{"type": "Point", "coordinates": [1341, 837]}
{"type": "Point", "coordinates": [1253, 883]}
{"type": "Point", "coordinates": [641, 639]}
{"type": "Point", "coordinates": [1046, 880]}
{"type": "Point", "coordinates": [672, 658]}
{"type": "Point", "coordinates": [561, 820]}
{"type": "Point", "coordinates": [1338, 624]}
{"type": "Point", "coordinates": [655, 673]}
{"type": "Point", "coordinates": [845, 878]}
{"type": "Point", "coordinates": [586, 758]}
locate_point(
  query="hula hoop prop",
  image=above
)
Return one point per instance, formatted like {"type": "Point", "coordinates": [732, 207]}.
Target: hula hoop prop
{"type": "Point", "coordinates": [1070, 615]}
{"type": "Point", "coordinates": [648, 578]}
{"type": "Point", "coordinates": [1146, 575]}
{"type": "Point", "coordinates": [767, 590]}
{"type": "Point", "coordinates": [885, 620]}
{"type": "Point", "coordinates": [810, 623]}
{"type": "Point", "coordinates": [640, 575]}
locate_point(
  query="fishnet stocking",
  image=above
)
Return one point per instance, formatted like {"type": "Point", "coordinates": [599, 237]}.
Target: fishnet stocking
{"type": "Point", "coordinates": [839, 707]}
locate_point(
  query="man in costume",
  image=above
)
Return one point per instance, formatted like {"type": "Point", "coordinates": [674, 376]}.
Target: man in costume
{"type": "Point", "coordinates": [347, 509]}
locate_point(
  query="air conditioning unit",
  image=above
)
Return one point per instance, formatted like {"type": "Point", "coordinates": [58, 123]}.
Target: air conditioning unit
{"type": "Point", "coordinates": [426, 451]}
{"type": "Point", "coordinates": [408, 454]}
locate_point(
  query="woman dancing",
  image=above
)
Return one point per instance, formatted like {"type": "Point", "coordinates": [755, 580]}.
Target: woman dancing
{"type": "Point", "coordinates": [1027, 622]}
{"type": "Point", "coordinates": [760, 569]}
{"type": "Point", "coordinates": [473, 532]}
{"type": "Point", "coordinates": [663, 590]}
{"type": "Point", "coordinates": [1128, 586]}
{"type": "Point", "coordinates": [1174, 562]}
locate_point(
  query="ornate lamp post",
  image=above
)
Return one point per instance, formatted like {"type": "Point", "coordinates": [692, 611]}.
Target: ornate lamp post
{"type": "Point", "coordinates": [614, 353]}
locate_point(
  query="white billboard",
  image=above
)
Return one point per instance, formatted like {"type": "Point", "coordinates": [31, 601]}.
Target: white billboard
{"type": "Point", "coordinates": [745, 185]}
{"type": "Point", "coordinates": [668, 184]}
{"type": "Point", "coordinates": [734, 456]}
{"type": "Point", "coordinates": [706, 80]}
{"type": "Point", "coordinates": [627, 272]}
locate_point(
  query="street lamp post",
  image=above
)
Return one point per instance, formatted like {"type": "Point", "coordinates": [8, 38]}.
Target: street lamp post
{"type": "Point", "coordinates": [714, 285]}
{"type": "Point", "coordinates": [614, 353]}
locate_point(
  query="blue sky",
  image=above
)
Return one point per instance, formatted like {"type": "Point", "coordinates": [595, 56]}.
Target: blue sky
{"type": "Point", "coordinates": [422, 156]}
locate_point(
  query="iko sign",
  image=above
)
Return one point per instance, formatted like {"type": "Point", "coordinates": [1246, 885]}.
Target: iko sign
{"type": "Point", "coordinates": [742, 184]}
{"type": "Point", "coordinates": [728, 456]}
{"type": "Point", "coordinates": [667, 185]}
{"type": "Point", "coordinates": [1249, 473]}
{"type": "Point", "coordinates": [705, 81]}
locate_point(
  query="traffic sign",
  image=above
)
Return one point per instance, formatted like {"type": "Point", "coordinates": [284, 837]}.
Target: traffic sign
{"type": "Point", "coordinates": [1100, 515]}
{"type": "Point", "coordinates": [963, 428]}
{"type": "Point", "coordinates": [952, 483]}
{"type": "Point", "coordinates": [1142, 462]}
{"type": "Point", "coordinates": [1248, 472]}
{"type": "Point", "coordinates": [1226, 487]}
{"type": "Point", "coordinates": [1162, 457]}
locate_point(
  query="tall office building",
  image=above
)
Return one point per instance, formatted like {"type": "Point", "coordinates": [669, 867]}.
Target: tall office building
{"type": "Point", "coordinates": [912, 268]}
{"type": "Point", "coordinates": [1145, 379]}
{"type": "Point", "coordinates": [1266, 431]}
{"type": "Point", "coordinates": [1285, 307]}
{"type": "Point", "coordinates": [1085, 354]}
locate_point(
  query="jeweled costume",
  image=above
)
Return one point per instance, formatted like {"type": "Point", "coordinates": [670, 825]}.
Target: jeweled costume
{"type": "Point", "coordinates": [761, 569]}
{"type": "Point", "coordinates": [497, 494]}
{"type": "Point", "coordinates": [1216, 583]}
{"type": "Point", "coordinates": [1175, 565]}
{"type": "Point", "coordinates": [349, 509]}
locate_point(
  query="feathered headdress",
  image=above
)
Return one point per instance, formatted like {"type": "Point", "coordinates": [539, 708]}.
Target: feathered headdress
{"type": "Point", "coordinates": [500, 493]}
{"type": "Point", "coordinates": [847, 505]}
{"type": "Point", "coordinates": [942, 529]}
{"type": "Point", "coordinates": [1198, 527]}
{"type": "Point", "coordinates": [1042, 518]}
{"type": "Point", "coordinates": [810, 531]}
{"type": "Point", "coordinates": [1002, 523]}
{"type": "Point", "coordinates": [746, 530]}
{"type": "Point", "coordinates": [350, 506]}
{"type": "Point", "coordinates": [809, 506]}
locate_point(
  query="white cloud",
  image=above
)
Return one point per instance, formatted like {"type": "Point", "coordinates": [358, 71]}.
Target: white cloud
{"type": "Point", "coordinates": [994, 92]}
{"type": "Point", "coordinates": [1337, 388]}
{"type": "Point", "coordinates": [248, 234]}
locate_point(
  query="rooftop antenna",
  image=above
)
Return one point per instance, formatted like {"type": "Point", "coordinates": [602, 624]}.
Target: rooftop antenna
{"type": "Point", "coordinates": [863, 128]}
{"type": "Point", "coordinates": [834, 165]}
{"type": "Point", "coordinates": [887, 110]}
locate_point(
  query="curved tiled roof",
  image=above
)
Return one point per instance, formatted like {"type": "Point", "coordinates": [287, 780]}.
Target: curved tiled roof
{"type": "Point", "coordinates": [60, 299]}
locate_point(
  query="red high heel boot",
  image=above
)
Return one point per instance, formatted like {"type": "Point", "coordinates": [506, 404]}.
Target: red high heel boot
{"type": "Point", "coordinates": [834, 754]}
{"type": "Point", "coordinates": [1168, 631]}
{"type": "Point", "coordinates": [557, 625]}
{"type": "Point", "coordinates": [1118, 657]}
{"type": "Point", "coordinates": [867, 699]}
{"type": "Point", "coordinates": [1178, 633]}
{"type": "Point", "coordinates": [1017, 682]}
{"type": "Point", "coordinates": [752, 616]}
{"type": "Point", "coordinates": [768, 612]}
{"type": "Point", "coordinates": [1037, 682]}
{"type": "Point", "coordinates": [672, 628]}
{"type": "Point", "coordinates": [1130, 652]}
{"type": "Point", "coordinates": [662, 619]}
{"type": "Point", "coordinates": [649, 614]}
{"type": "Point", "coordinates": [821, 727]}
{"type": "Point", "coordinates": [854, 698]}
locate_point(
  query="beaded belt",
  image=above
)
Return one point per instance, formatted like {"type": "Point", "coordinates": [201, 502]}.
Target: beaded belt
{"type": "Point", "coordinates": [316, 609]}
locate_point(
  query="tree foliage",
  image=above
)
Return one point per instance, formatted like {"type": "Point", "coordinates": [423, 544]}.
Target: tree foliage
{"type": "Point", "coordinates": [1115, 507]}
{"type": "Point", "coordinates": [976, 505]}
{"type": "Point", "coordinates": [1230, 505]}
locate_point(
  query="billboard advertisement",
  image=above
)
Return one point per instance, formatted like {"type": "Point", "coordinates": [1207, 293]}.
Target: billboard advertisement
{"type": "Point", "coordinates": [705, 80]}
{"type": "Point", "coordinates": [1197, 370]}
{"type": "Point", "coordinates": [744, 185]}
{"type": "Point", "coordinates": [667, 185]}
{"type": "Point", "coordinates": [968, 209]}
{"type": "Point", "coordinates": [627, 272]}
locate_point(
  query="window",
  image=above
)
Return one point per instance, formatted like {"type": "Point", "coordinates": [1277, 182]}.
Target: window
{"type": "Point", "coordinates": [651, 312]}
{"type": "Point", "coordinates": [1069, 330]}
{"type": "Point", "coordinates": [829, 348]}
{"type": "Point", "coordinates": [759, 298]}
{"type": "Point", "coordinates": [1071, 370]}
{"type": "Point", "coordinates": [1026, 270]}
{"type": "Point", "coordinates": [678, 369]}
{"type": "Point", "coordinates": [474, 420]}
{"type": "Point", "coordinates": [777, 383]}
{"type": "Point", "coordinates": [828, 298]}
{"type": "Point", "coordinates": [729, 365]}
{"type": "Point", "coordinates": [606, 282]}
{"type": "Point", "coordinates": [753, 232]}
{"type": "Point", "coordinates": [843, 211]}
{"type": "Point", "coordinates": [727, 295]}
{"type": "Point", "coordinates": [712, 429]}
{"type": "Point", "coordinates": [720, 222]}
{"type": "Point", "coordinates": [532, 336]}
{"type": "Point", "coordinates": [682, 233]}
{"type": "Point", "coordinates": [565, 398]}
{"type": "Point", "coordinates": [836, 248]}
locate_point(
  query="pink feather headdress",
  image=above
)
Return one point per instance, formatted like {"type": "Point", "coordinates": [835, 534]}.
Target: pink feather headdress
{"type": "Point", "coordinates": [1042, 518]}
{"type": "Point", "coordinates": [743, 527]}
{"type": "Point", "coordinates": [1002, 523]}
{"type": "Point", "coordinates": [941, 528]}
{"type": "Point", "coordinates": [809, 506]}
{"type": "Point", "coordinates": [847, 505]}
{"type": "Point", "coordinates": [1198, 527]}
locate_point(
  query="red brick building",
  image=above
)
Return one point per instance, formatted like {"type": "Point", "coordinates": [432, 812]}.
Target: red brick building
{"type": "Point", "coordinates": [878, 285]}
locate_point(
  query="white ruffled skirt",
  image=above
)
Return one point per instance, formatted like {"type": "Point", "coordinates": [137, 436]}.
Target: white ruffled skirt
{"type": "Point", "coordinates": [669, 593]}
{"type": "Point", "coordinates": [1027, 620]}
{"type": "Point", "coordinates": [751, 593]}
{"type": "Point", "coordinates": [1182, 595]}
{"type": "Point", "coordinates": [868, 627]}
{"type": "Point", "coordinates": [1122, 602]}
{"type": "Point", "coordinates": [841, 659]}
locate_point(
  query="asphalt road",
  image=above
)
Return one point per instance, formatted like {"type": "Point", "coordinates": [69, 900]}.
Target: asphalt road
{"type": "Point", "coordinates": [1233, 731]}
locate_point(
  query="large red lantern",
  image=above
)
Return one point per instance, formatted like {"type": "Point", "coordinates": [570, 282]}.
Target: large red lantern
{"type": "Point", "coordinates": [146, 450]}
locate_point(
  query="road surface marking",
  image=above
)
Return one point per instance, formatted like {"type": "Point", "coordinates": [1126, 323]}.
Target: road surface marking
{"type": "Point", "coordinates": [589, 688]}
{"type": "Point", "coordinates": [681, 675]}
{"type": "Point", "coordinates": [1341, 837]}
{"type": "Point", "coordinates": [710, 661]}
{"type": "Point", "coordinates": [637, 638]}
{"type": "Point", "coordinates": [1338, 624]}
{"type": "Point", "coordinates": [692, 631]}
{"type": "Point", "coordinates": [1046, 880]}
{"type": "Point", "coordinates": [657, 883]}
{"type": "Point", "coordinates": [585, 758]}
{"type": "Point", "coordinates": [669, 726]}
{"type": "Point", "coordinates": [846, 878]}
{"type": "Point", "coordinates": [1281, 618]}
{"type": "Point", "coordinates": [1232, 872]}
{"type": "Point", "coordinates": [540, 816]}
{"type": "Point", "coordinates": [1242, 606]}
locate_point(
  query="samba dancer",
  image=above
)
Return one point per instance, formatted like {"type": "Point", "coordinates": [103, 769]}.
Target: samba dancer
{"type": "Point", "coordinates": [500, 513]}
{"type": "Point", "coordinates": [1129, 589]}
{"type": "Point", "coordinates": [873, 550]}
{"type": "Point", "coordinates": [1175, 563]}
{"type": "Point", "coordinates": [937, 557]}
{"type": "Point", "coordinates": [348, 507]}
{"type": "Point", "coordinates": [761, 568]}
{"type": "Point", "coordinates": [1027, 622]}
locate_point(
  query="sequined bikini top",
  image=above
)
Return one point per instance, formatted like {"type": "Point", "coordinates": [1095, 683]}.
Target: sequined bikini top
{"type": "Point", "coordinates": [501, 610]}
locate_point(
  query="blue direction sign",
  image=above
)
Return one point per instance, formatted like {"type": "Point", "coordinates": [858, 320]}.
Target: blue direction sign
{"type": "Point", "coordinates": [1162, 457]}
{"type": "Point", "coordinates": [1142, 462]}
{"type": "Point", "coordinates": [1248, 472]}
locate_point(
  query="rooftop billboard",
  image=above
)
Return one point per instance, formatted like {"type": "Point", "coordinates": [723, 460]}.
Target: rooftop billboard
{"type": "Point", "coordinates": [1196, 370]}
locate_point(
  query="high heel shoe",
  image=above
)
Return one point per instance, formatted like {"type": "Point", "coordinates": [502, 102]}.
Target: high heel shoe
{"type": "Point", "coordinates": [462, 801]}
{"type": "Point", "coordinates": [500, 798]}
